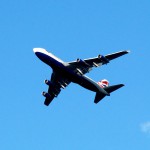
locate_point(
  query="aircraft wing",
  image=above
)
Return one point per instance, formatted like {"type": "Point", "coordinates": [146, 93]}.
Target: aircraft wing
{"type": "Point", "coordinates": [86, 65]}
{"type": "Point", "coordinates": [57, 82]}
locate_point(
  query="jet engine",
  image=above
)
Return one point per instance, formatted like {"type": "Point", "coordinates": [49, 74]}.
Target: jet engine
{"type": "Point", "coordinates": [82, 62]}
{"type": "Point", "coordinates": [103, 58]}
{"type": "Point", "coordinates": [46, 95]}
{"type": "Point", "coordinates": [48, 82]}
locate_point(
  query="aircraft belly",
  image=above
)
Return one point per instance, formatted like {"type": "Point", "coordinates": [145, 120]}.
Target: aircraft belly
{"type": "Point", "coordinates": [68, 73]}
{"type": "Point", "coordinates": [88, 84]}
{"type": "Point", "coordinates": [78, 79]}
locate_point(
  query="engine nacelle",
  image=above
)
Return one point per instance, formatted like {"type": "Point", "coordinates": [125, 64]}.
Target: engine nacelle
{"type": "Point", "coordinates": [82, 62]}
{"type": "Point", "coordinates": [45, 94]}
{"type": "Point", "coordinates": [78, 59]}
{"type": "Point", "coordinates": [48, 82]}
{"type": "Point", "coordinates": [103, 58]}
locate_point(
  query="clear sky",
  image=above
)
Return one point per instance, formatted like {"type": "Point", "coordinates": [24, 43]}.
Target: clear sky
{"type": "Point", "coordinates": [70, 30]}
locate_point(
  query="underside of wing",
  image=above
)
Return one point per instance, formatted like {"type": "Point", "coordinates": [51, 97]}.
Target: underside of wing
{"type": "Point", "coordinates": [86, 65]}
{"type": "Point", "coordinates": [56, 83]}
{"type": "Point", "coordinates": [101, 60]}
{"type": "Point", "coordinates": [116, 55]}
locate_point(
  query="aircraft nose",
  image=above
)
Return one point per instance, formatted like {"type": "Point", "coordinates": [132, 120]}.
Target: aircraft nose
{"type": "Point", "coordinates": [35, 50]}
{"type": "Point", "coordinates": [40, 53]}
{"type": "Point", "coordinates": [40, 50]}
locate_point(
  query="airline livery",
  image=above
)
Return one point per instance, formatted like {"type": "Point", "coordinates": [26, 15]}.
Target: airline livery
{"type": "Point", "coordinates": [66, 72]}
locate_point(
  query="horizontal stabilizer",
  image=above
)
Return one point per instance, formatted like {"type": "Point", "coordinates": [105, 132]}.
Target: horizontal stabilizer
{"type": "Point", "coordinates": [112, 88]}
{"type": "Point", "coordinates": [109, 89]}
{"type": "Point", "coordinates": [99, 97]}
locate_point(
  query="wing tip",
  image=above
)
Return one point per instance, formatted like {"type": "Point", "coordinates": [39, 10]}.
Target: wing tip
{"type": "Point", "coordinates": [125, 51]}
{"type": "Point", "coordinates": [128, 51]}
{"type": "Point", "coordinates": [121, 85]}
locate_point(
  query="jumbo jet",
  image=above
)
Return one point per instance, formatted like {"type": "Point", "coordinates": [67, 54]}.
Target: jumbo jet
{"type": "Point", "coordinates": [63, 73]}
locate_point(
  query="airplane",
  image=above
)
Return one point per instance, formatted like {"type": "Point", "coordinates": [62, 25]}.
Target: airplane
{"type": "Point", "coordinates": [63, 73]}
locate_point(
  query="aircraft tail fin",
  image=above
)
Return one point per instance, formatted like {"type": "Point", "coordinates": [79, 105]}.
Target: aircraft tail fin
{"type": "Point", "coordinates": [109, 89]}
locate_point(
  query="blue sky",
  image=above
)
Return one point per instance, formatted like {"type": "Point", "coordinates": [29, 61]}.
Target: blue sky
{"type": "Point", "coordinates": [71, 30]}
